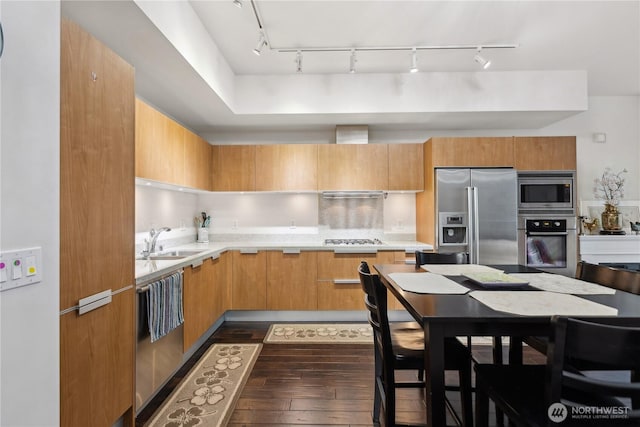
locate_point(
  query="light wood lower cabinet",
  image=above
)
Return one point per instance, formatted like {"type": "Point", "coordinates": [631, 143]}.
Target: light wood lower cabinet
{"type": "Point", "coordinates": [96, 363]}
{"type": "Point", "coordinates": [291, 281]}
{"type": "Point", "coordinates": [249, 288]}
{"type": "Point", "coordinates": [205, 296]}
{"type": "Point", "coordinates": [338, 281]}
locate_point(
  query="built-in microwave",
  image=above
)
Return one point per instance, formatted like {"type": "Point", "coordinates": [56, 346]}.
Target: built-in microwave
{"type": "Point", "coordinates": [551, 191]}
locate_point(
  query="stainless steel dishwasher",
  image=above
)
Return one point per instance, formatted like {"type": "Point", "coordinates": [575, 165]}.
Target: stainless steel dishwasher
{"type": "Point", "coordinates": [155, 362]}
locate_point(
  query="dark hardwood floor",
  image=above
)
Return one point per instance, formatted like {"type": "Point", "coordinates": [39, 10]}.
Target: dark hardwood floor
{"type": "Point", "coordinates": [309, 385]}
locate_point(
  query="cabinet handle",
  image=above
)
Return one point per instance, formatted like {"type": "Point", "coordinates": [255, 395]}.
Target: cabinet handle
{"type": "Point", "coordinates": [94, 301]}
{"type": "Point", "coordinates": [356, 251]}
{"type": "Point", "coordinates": [249, 251]}
{"type": "Point", "coordinates": [291, 251]}
{"type": "Point", "coordinates": [215, 256]}
{"type": "Point", "coordinates": [196, 263]}
{"type": "Point", "coordinates": [346, 281]}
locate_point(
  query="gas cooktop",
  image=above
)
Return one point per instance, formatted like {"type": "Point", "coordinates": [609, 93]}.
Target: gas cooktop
{"type": "Point", "coordinates": [352, 242]}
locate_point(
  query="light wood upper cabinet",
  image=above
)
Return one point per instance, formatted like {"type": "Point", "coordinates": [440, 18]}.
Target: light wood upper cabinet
{"type": "Point", "coordinates": [159, 146]}
{"type": "Point", "coordinates": [287, 167]}
{"type": "Point", "coordinates": [406, 170]}
{"type": "Point", "coordinates": [291, 281]}
{"type": "Point", "coordinates": [233, 167]}
{"type": "Point", "coordinates": [197, 161]}
{"type": "Point", "coordinates": [249, 281]}
{"type": "Point", "coordinates": [353, 167]}
{"type": "Point", "coordinates": [97, 200]}
{"type": "Point", "coordinates": [545, 153]}
{"type": "Point", "coordinates": [472, 152]}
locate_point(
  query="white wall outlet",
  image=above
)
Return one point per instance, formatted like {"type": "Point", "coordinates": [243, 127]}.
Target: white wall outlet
{"type": "Point", "coordinates": [20, 268]}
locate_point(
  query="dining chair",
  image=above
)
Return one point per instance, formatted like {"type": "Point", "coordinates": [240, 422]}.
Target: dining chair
{"type": "Point", "coordinates": [400, 346]}
{"type": "Point", "coordinates": [544, 395]}
{"type": "Point", "coordinates": [615, 278]}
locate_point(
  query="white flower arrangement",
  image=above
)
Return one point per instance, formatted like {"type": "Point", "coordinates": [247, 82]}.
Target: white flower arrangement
{"type": "Point", "coordinates": [609, 187]}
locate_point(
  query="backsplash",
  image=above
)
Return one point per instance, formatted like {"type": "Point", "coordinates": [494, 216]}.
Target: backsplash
{"type": "Point", "coordinates": [281, 217]}
{"type": "Point", "coordinates": [351, 213]}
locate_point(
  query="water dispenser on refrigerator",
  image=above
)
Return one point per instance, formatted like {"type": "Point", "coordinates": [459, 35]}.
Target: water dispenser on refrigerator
{"type": "Point", "coordinates": [452, 228]}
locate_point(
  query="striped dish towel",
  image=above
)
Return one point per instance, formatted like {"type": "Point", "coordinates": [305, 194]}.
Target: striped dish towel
{"type": "Point", "coordinates": [164, 306]}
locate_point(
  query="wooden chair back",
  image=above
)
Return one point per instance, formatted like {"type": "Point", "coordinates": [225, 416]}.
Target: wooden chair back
{"type": "Point", "coordinates": [441, 258]}
{"type": "Point", "coordinates": [581, 343]}
{"type": "Point", "coordinates": [624, 280]}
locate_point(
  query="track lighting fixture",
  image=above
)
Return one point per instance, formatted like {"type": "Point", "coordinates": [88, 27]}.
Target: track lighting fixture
{"type": "Point", "coordinates": [298, 61]}
{"type": "Point", "coordinates": [414, 61]}
{"type": "Point", "coordinates": [352, 62]}
{"type": "Point", "coordinates": [262, 42]}
{"type": "Point", "coordinates": [238, 3]}
{"type": "Point", "coordinates": [484, 63]}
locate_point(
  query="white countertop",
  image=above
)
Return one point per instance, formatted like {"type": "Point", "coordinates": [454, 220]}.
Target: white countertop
{"type": "Point", "coordinates": [603, 248]}
{"type": "Point", "coordinates": [147, 270]}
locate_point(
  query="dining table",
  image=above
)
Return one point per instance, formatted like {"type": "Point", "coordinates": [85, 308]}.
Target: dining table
{"type": "Point", "coordinates": [466, 310]}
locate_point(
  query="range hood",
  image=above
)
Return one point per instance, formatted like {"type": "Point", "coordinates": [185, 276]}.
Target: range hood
{"type": "Point", "coordinates": [352, 134]}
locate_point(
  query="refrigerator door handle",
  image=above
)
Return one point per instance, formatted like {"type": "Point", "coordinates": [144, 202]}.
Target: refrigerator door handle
{"type": "Point", "coordinates": [474, 238]}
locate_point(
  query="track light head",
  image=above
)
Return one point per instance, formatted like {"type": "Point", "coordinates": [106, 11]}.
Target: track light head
{"type": "Point", "coordinates": [352, 62]}
{"type": "Point", "coordinates": [414, 61]}
{"type": "Point", "coordinates": [299, 61]}
{"type": "Point", "coordinates": [484, 63]}
{"type": "Point", "coordinates": [261, 44]}
{"type": "Point", "coordinates": [238, 3]}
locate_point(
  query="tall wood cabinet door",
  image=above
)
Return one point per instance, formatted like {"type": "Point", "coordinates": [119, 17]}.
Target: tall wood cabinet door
{"type": "Point", "coordinates": [97, 104]}
{"type": "Point", "coordinates": [291, 281]}
{"type": "Point", "coordinates": [287, 167]}
{"type": "Point", "coordinates": [545, 153]}
{"type": "Point", "coordinates": [406, 167]}
{"type": "Point", "coordinates": [198, 300]}
{"type": "Point", "coordinates": [353, 167]}
{"type": "Point", "coordinates": [96, 363]}
{"type": "Point", "coordinates": [249, 288]}
{"type": "Point", "coordinates": [472, 152]}
{"type": "Point", "coordinates": [159, 145]}
{"type": "Point", "coordinates": [233, 167]}
{"type": "Point", "coordinates": [197, 161]}
{"type": "Point", "coordinates": [222, 276]}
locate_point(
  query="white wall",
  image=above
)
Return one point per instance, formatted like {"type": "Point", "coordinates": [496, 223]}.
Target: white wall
{"type": "Point", "coordinates": [29, 210]}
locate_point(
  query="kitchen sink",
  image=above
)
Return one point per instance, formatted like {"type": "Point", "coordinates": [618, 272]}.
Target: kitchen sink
{"type": "Point", "coordinates": [170, 255]}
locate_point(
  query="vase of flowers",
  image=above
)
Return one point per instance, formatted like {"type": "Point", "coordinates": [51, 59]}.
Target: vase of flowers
{"type": "Point", "coordinates": [610, 188]}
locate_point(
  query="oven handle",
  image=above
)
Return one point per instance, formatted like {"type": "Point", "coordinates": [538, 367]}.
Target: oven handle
{"type": "Point", "coordinates": [547, 233]}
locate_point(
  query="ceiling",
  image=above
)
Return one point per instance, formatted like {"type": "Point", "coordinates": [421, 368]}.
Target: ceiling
{"type": "Point", "coordinates": [601, 37]}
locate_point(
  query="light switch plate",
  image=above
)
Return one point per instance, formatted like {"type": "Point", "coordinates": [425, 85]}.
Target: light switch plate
{"type": "Point", "coordinates": [29, 263]}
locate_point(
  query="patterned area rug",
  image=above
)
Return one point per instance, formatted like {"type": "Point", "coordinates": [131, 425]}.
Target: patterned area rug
{"type": "Point", "coordinates": [323, 333]}
{"type": "Point", "coordinates": [206, 397]}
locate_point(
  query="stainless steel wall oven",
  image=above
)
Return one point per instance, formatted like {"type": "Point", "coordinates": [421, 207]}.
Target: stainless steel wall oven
{"type": "Point", "coordinates": [548, 243]}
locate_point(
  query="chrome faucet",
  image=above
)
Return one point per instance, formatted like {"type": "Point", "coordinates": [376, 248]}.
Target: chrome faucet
{"type": "Point", "coordinates": [150, 245]}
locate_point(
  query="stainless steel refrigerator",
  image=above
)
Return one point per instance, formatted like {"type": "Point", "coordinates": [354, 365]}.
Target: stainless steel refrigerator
{"type": "Point", "coordinates": [476, 211]}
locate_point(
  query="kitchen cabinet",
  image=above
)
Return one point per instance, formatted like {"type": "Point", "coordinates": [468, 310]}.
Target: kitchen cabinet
{"type": "Point", "coordinates": [353, 167]}
{"type": "Point", "coordinates": [97, 105]}
{"type": "Point", "coordinates": [233, 167]}
{"type": "Point", "coordinates": [339, 285]}
{"type": "Point", "coordinates": [545, 153]}
{"type": "Point", "coordinates": [159, 146]}
{"type": "Point", "coordinates": [249, 280]}
{"type": "Point", "coordinates": [206, 296]}
{"type": "Point", "coordinates": [291, 280]}
{"type": "Point", "coordinates": [197, 161]}
{"type": "Point", "coordinates": [406, 170]}
{"type": "Point", "coordinates": [168, 152]}
{"type": "Point", "coordinates": [287, 167]}
{"type": "Point", "coordinates": [470, 152]}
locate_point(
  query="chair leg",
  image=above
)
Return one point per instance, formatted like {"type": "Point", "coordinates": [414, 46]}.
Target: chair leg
{"type": "Point", "coordinates": [482, 407]}
{"type": "Point", "coordinates": [465, 394]}
{"type": "Point", "coordinates": [377, 396]}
